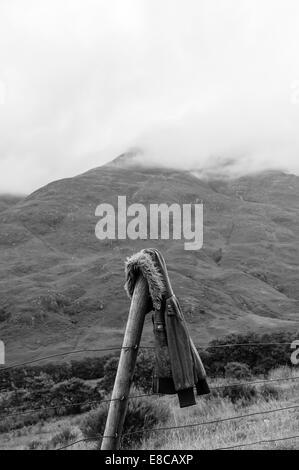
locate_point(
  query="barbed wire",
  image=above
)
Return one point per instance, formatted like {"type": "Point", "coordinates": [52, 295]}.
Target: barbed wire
{"type": "Point", "coordinates": [254, 382]}
{"type": "Point", "coordinates": [263, 441]}
{"type": "Point", "coordinates": [184, 426]}
{"type": "Point", "coordinates": [108, 400]}
{"type": "Point", "coordinates": [226, 345]}
{"type": "Point", "coordinates": [215, 421]}
{"type": "Point", "coordinates": [119, 348]}
{"type": "Point", "coordinates": [68, 405]}
{"type": "Point", "coordinates": [51, 356]}
{"type": "Point", "coordinates": [96, 438]}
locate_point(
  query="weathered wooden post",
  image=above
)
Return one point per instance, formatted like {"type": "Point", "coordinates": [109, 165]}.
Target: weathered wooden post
{"type": "Point", "coordinates": [126, 366]}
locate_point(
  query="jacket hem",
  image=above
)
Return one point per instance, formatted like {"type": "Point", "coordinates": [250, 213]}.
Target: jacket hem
{"type": "Point", "coordinates": [202, 387]}
{"type": "Point", "coordinates": [186, 397]}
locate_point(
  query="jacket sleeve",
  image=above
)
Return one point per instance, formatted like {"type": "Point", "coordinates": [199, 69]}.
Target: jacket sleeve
{"type": "Point", "coordinates": [179, 346]}
{"type": "Point", "coordinates": [201, 383]}
{"type": "Point", "coordinates": [163, 381]}
{"type": "Point", "coordinates": [187, 367]}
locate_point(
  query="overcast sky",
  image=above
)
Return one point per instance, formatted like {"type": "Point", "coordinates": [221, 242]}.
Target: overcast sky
{"type": "Point", "coordinates": [190, 81]}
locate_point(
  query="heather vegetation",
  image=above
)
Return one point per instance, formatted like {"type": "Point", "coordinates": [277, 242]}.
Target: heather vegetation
{"type": "Point", "coordinates": [66, 398]}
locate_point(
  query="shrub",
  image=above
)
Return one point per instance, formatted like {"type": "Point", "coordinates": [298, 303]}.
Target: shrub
{"type": "Point", "coordinates": [142, 413]}
{"type": "Point", "coordinates": [65, 436]}
{"type": "Point", "coordinates": [237, 370]}
{"type": "Point", "coordinates": [35, 445]}
{"type": "Point", "coordinates": [142, 375]}
{"type": "Point", "coordinates": [243, 348]}
{"type": "Point", "coordinates": [269, 392]}
{"type": "Point", "coordinates": [17, 422]}
{"type": "Point", "coordinates": [74, 396]}
{"type": "Point", "coordinates": [70, 397]}
{"type": "Point", "coordinates": [88, 368]}
{"type": "Point", "coordinates": [38, 385]}
{"type": "Point", "coordinates": [58, 372]}
{"type": "Point", "coordinates": [242, 394]}
{"type": "Point", "coordinates": [110, 369]}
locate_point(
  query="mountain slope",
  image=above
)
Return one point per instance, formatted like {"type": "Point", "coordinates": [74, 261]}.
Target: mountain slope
{"type": "Point", "coordinates": [7, 200]}
{"type": "Point", "coordinates": [62, 288]}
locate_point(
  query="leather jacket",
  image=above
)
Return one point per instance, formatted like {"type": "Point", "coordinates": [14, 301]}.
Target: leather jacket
{"type": "Point", "coordinates": [178, 367]}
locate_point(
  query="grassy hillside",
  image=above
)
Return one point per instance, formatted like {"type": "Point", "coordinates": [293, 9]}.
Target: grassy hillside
{"type": "Point", "coordinates": [62, 288]}
{"type": "Point", "coordinates": [8, 200]}
{"type": "Point", "coordinates": [57, 432]}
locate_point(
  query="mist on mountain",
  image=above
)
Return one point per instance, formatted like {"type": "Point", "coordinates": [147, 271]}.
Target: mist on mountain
{"type": "Point", "coordinates": [61, 287]}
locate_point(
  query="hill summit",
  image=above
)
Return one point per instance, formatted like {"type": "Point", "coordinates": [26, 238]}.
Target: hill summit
{"type": "Point", "coordinates": [61, 288]}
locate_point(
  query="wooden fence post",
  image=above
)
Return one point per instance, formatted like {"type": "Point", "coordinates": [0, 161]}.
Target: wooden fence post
{"type": "Point", "coordinates": [118, 405]}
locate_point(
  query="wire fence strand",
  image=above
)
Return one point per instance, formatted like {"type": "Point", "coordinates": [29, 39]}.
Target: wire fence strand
{"type": "Point", "coordinates": [79, 441]}
{"type": "Point", "coordinates": [254, 382]}
{"type": "Point", "coordinates": [263, 441]}
{"type": "Point", "coordinates": [214, 421]}
{"type": "Point", "coordinates": [66, 353]}
{"type": "Point", "coordinates": [184, 426]}
{"type": "Point", "coordinates": [68, 405]}
{"type": "Point", "coordinates": [108, 400]}
{"type": "Point", "coordinates": [119, 348]}
{"type": "Point", "coordinates": [167, 428]}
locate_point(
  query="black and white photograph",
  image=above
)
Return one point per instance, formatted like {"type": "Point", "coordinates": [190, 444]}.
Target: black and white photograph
{"type": "Point", "coordinates": [149, 229]}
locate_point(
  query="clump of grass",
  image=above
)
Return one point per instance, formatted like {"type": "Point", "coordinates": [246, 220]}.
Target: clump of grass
{"type": "Point", "coordinates": [237, 370]}
{"type": "Point", "coordinates": [228, 401]}
{"type": "Point", "coordinates": [242, 394]}
{"type": "Point", "coordinates": [36, 444]}
{"type": "Point", "coordinates": [142, 414]}
{"type": "Point", "coordinates": [229, 398]}
{"type": "Point", "coordinates": [269, 392]}
{"type": "Point", "coordinates": [63, 437]}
